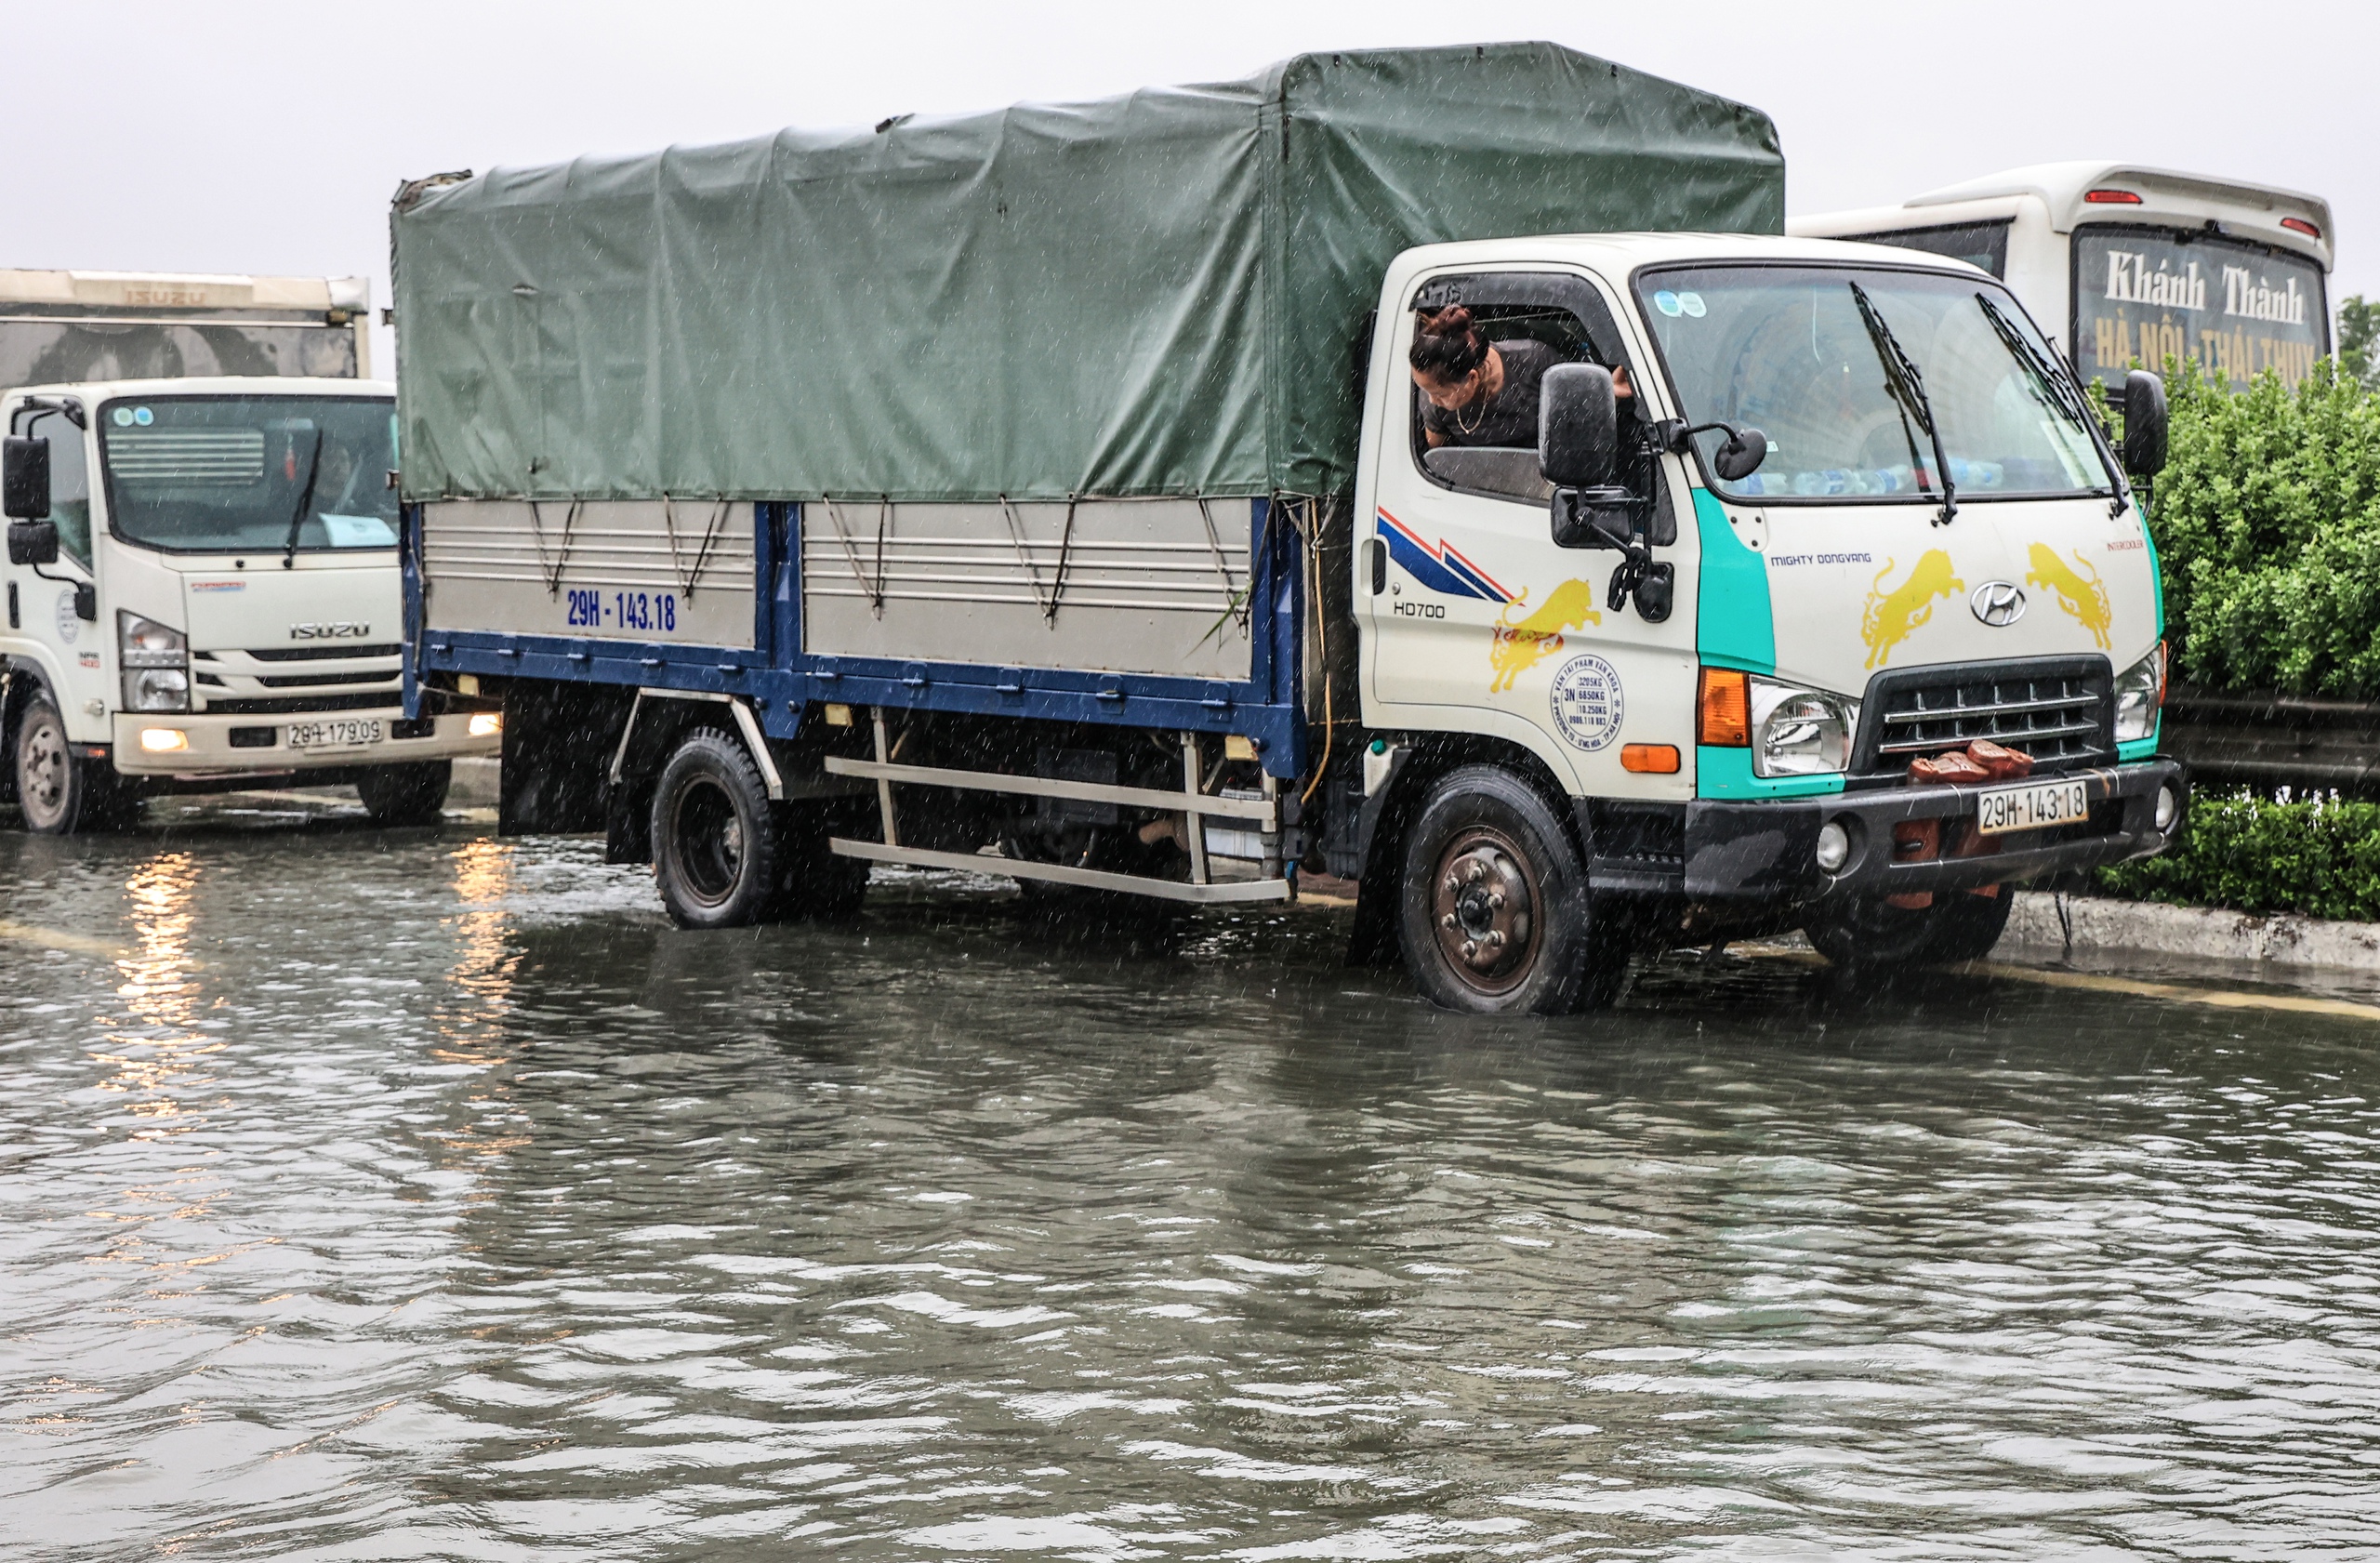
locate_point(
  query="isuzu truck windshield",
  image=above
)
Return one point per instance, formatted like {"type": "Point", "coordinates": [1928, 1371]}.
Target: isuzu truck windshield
{"type": "Point", "coordinates": [267, 474]}
{"type": "Point", "coordinates": [1790, 350]}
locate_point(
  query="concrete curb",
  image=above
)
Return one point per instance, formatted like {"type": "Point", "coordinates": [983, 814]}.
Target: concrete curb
{"type": "Point", "coordinates": [2097, 923]}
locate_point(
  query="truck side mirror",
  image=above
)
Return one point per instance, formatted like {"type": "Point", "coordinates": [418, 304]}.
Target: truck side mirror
{"type": "Point", "coordinates": [24, 478]}
{"type": "Point", "coordinates": [1741, 456]}
{"type": "Point", "coordinates": [1578, 425]}
{"type": "Point", "coordinates": [33, 542]}
{"type": "Point", "coordinates": [2145, 421]}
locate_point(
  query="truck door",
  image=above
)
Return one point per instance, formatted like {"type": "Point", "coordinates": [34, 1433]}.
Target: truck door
{"type": "Point", "coordinates": [1477, 620]}
{"type": "Point", "coordinates": [42, 620]}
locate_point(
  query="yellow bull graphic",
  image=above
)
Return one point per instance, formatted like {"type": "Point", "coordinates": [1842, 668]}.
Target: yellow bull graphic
{"type": "Point", "coordinates": [2081, 595]}
{"type": "Point", "coordinates": [1519, 648]}
{"type": "Point", "coordinates": [1892, 614]}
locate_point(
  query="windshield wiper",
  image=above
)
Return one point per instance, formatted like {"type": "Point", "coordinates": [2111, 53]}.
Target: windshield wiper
{"type": "Point", "coordinates": [2061, 392]}
{"type": "Point", "coordinates": [305, 502]}
{"type": "Point", "coordinates": [1908, 387]}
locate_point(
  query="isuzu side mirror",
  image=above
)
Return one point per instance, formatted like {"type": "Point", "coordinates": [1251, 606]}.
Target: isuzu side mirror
{"type": "Point", "coordinates": [24, 478]}
{"type": "Point", "coordinates": [1578, 425]}
{"type": "Point", "coordinates": [2143, 424]}
{"type": "Point", "coordinates": [33, 542]}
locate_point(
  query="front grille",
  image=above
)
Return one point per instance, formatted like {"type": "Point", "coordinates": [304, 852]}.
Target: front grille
{"type": "Point", "coordinates": [316, 654]}
{"type": "Point", "coordinates": [314, 680]}
{"type": "Point", "coordinates": [2059, 709]}
{"type": "Point", "coordinates": [270, 704]}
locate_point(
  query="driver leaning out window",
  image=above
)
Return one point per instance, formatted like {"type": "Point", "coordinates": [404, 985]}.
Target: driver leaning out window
{"type": "Point", "coordinates": [1481, 393]}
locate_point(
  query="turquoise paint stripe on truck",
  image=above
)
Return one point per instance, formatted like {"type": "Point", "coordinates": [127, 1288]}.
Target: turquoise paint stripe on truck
{"type": "Point", "coordinates": [1733, 626]}
{"type": "Point", "coordinates": [1727, 772]}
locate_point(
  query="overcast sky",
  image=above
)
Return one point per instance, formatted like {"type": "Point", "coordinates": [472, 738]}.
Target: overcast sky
{"type": "Point", "coordinates": [263, 136]}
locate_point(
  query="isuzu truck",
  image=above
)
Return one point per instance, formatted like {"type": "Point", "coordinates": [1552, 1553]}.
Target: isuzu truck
{"type": "Point", "coordinates": [1433, 468]}
{"type": "Point", "coordinates": [202, 586]}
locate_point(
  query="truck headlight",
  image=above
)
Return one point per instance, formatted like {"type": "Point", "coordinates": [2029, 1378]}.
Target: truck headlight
{"type": "Point", "coordinates": [155, 659]}
{"type": "Point", "coordinates": [156, 689]}
{"type": "Point", "coordinates": [1800, 732]}
{"type": "Point", "coordinates": [2140, 694]}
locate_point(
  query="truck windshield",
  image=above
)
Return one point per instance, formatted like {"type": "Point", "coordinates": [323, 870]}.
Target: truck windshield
{"type": "Point", "coordinates": [219, 474]}
{"type": "Point", "coordinates": [1788, 350]}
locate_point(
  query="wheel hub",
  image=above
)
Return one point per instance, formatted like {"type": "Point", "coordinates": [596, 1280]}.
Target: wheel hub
{"type": "Point", "coordinates": [1485, 908]}
{"type": "Point", "coordinates": [41, 778]}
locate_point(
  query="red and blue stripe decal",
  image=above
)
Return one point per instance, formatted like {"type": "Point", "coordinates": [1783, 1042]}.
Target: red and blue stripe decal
{"type": "Point", "coordinates": [1438, 566]}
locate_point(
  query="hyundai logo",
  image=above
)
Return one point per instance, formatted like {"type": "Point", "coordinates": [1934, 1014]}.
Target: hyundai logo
{"type": "Point", "coordinates": [1998, 604]}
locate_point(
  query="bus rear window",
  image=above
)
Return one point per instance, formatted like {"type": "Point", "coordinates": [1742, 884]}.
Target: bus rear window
{"type": "Point", "coordinates": [2142, 295]}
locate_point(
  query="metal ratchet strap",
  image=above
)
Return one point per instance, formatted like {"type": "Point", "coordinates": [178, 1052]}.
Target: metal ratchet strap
{"type": "Point", "coordinates": [1065, 554]}
{"type": "Point", "coordinates": [688, 579]}
{"type": "Point", "coordinates": [1025, 559]}
{"type": "Point", "coordinates": [874, 589]}
{"type": "Point", "coordinates": [1238, 607]}
{"type": "Point", "coordinates": [551, 569]}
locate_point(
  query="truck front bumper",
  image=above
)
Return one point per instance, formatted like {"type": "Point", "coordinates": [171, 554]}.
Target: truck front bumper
{"type": "Point", "coordinates": [209, 754]}
{"type": "Point", "coordinates": [1768, 851]}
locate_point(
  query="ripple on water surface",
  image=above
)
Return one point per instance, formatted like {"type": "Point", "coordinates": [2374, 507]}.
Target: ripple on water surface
{"type": "Point", "coordinates": [409, 1195]}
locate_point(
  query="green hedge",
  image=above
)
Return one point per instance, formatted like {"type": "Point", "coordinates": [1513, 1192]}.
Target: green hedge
{"type": "Point", "coordinates": [2266, 520]}
{"type": "Point", "coordinates": [2315, 856]}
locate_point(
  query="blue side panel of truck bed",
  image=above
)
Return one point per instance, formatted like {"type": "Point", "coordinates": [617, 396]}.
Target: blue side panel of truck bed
{"type": "Point", "coordinates": [784, 682]}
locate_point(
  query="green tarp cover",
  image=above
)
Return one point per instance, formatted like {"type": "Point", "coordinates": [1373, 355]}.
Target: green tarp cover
{"type": "Point", "coordinates": [1152, 295]}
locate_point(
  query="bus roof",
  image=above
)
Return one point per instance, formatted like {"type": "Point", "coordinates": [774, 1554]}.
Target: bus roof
{"type": "Point", "coordinates": [2167, 194]}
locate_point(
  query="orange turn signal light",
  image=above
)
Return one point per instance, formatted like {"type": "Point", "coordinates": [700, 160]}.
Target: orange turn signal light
{"type": "Point", "coordinates": [1724, 702]}
{"type": "Point", "coordinates": [1660, 759]}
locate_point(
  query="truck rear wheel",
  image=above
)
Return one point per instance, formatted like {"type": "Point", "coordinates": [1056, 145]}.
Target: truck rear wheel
{"type": "Point", "coordinates": [63, 793]}
{"type": "Point", "coordinates": [1494, 913]}
{"type": "Point", "coordinates": [717, 849]}
{"type": "Point", "coordinates": [1874, 936]}
{"type": "Point", "coordinates": [400, 795]}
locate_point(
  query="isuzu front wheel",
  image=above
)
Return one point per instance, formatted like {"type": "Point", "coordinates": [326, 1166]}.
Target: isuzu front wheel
{"type": "Point", "coordinates": [63, 793]}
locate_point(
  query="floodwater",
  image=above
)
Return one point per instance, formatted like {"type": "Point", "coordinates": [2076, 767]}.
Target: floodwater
{"type": "Point", "coordinates": [374, 1195]}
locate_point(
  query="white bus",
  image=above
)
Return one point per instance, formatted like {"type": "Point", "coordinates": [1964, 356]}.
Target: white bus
{"type": "Point", "coordinates": [2132, 265]}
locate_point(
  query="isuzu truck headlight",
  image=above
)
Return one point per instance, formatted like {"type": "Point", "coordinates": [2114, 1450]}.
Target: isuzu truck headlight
{"type": "Point", "coordinates": [156, 660]}
{"type": "Point", "coordinates": [1800, 732]}
{"type": "Point", "coordinates": [2140, 694]}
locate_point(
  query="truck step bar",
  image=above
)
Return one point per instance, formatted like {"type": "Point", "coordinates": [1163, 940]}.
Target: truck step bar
{"type": "Point", "coordinates": [1059, 873]}
{"type": "Point", "coordinates": [1190, 803]}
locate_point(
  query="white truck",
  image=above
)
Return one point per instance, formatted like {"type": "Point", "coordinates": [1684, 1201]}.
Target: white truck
{"type": "Point", "coordinates": [1072, 494]}
{"type": "Point", "coordinates": [202, 594]}
{"type": "Point", "coordinates": [2134, 265]}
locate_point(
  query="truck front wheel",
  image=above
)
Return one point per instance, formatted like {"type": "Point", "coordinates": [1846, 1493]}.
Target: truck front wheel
{"type": "Point", "coordinates": [716, 841]}
{"type": "Point", "coordinates": [1872, 938]}
{"type": "Point", "coordinates": [63, 793]}
{"type": "Point", "coordinates": [1494, 915]}
{"type": "Point", "coordinates": [399, 795]}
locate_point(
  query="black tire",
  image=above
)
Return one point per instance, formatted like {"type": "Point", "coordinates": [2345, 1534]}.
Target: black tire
{"type": "Point", "coordinates": [717, 848]}
{"type": "Point", "coordinates": [58, 791]}
{"type": "Point", "coordinates": [402, 795]}
{"type": "Point", "coordinates": [1874, 937]}
{"type": "Point", "coordinates": [1494, 914]}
